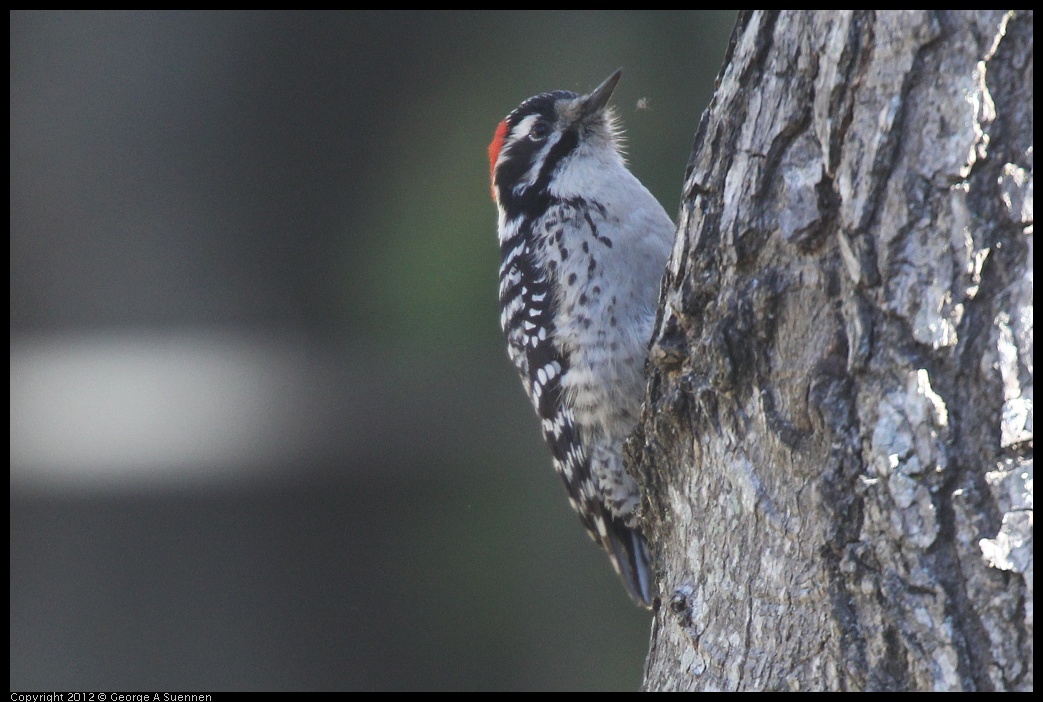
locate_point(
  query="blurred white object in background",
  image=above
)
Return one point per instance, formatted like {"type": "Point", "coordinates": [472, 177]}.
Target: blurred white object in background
{"type": "Point", "coordinates": [158, 408]}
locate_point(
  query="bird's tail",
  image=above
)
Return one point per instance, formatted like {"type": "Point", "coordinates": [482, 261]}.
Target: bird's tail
{"type": "Point", "coordinates": [629, 554]}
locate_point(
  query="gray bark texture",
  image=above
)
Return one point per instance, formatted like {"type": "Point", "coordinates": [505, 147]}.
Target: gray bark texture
{"type": "Point", "coordinates": [836, 447]}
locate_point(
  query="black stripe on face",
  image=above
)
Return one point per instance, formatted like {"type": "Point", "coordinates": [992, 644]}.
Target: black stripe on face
{"type": "Point", "coordinates": [565, 146]}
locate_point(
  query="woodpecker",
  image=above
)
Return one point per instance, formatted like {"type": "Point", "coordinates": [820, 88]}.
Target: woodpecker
{"type": "Point", "coordinates": [583, 248]}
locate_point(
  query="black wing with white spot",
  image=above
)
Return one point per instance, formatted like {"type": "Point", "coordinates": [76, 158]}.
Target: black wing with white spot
{"type": "Point", "coordinates": [527, 314]}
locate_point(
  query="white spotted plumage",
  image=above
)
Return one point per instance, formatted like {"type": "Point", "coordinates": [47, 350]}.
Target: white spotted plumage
{"type": "Point", "coordinates": [583, 247]}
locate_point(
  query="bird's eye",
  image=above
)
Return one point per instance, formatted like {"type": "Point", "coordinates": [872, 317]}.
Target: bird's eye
{"type": "Point", "coordinates": [539, 131]}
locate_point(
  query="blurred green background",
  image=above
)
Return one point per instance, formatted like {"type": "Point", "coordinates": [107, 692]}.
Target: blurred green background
{"type": "Point", "coordinates": [264, 433]}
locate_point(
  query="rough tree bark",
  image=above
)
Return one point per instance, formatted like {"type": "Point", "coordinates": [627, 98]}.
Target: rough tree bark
{"type": "Point", "coordinates": [837, 442]}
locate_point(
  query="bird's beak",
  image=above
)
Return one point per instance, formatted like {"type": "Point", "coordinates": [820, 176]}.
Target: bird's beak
{"type": "Point", "coordinates": [595, 102]}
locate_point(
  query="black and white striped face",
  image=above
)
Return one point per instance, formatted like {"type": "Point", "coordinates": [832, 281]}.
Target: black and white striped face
{"type": "Point", "coordinates": [540, 136]}
{"type": "Point", "coordinates": [521, 155]}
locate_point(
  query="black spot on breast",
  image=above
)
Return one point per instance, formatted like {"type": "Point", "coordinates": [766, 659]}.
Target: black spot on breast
{"type": "Point", "coordinates": [590, 223]}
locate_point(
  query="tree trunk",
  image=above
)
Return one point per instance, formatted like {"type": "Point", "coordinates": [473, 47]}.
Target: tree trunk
{"type": "Point", "coordinates": [837, 442]}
